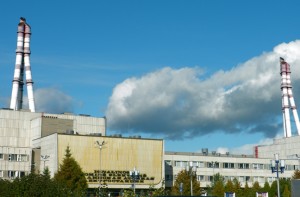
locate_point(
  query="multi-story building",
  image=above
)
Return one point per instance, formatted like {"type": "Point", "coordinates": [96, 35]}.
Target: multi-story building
{"type": "Point", "coordinates": [245, 168]}
{"type": "Point", "coordinates": [39, 140]}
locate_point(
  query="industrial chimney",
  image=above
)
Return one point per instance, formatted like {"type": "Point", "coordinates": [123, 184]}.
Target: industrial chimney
{"type": "Point", "coordinates": [287, 95]}
{"type": "Point", "coordinates": [22, 65]}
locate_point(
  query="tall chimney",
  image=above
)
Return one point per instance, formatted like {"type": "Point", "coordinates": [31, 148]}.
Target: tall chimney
{"type": "Point", "coordinates": [22, 63]}
{"type": "Point", "coordinates": [287, 99]}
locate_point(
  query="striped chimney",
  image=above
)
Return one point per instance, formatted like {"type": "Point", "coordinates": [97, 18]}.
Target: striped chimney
{"type": "Point", "coordinates": [22, 62]}
{"type": "Point", "coordinates": [288, 101]}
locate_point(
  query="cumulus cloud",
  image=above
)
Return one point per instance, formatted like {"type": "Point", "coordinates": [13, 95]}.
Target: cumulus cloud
{"type": "Point", "coordinates": [183, 103]}
{"type": "Point", "coordinates": [246, 148]}
{"type": "Point", "coordinates": [52, 100]}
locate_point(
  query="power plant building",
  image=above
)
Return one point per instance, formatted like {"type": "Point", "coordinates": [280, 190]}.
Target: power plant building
{"type": "Point", "coordinates": [36, 140]}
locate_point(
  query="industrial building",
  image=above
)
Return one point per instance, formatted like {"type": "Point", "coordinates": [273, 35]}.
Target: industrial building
{"type": "Point", "coordinates": [35, 140]}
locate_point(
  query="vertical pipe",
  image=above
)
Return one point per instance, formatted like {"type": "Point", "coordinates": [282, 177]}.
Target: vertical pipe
{"type": "Point", "coordinates": [15, 102]}
{"type": "Point", "coordinates": [29, 81]}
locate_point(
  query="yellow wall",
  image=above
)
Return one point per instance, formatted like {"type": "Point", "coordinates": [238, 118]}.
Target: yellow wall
{"type": "Point", "coordinates": [118, 156]}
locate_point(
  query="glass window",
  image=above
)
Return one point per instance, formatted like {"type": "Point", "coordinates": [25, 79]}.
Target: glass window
{"type": "Point", "coordinates": [1, 156]}
{"type": "Point", "coordinates": [247, 178]}
{"type": "Point", "coordinates": [12, 157]}
{"type": "Point", "coordinates": [201, 164]}
{"type": "Point", "coordinates": [200, 178]}
{"type": "Point", "coordinates": [228, 165]}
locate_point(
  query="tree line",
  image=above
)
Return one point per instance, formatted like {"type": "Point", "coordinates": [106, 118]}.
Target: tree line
{"type": "Point", "coordinates": [70, 180]}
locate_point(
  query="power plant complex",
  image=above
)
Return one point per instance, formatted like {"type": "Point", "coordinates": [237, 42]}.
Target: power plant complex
{"type": "Point", "coordinates": [36, 140]}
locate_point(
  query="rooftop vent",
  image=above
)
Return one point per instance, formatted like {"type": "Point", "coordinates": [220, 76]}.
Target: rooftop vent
{"type": "Point", "coordinates": [205, 151]}
{"type": "Point", "coordinates": [70, 132]}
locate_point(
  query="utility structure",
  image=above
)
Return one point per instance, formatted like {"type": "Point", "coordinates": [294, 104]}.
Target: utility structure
{"type": "Point", "coordinates": [288, 101]}
{"type": "Point", "coordinates": [22, 65]}
{"type": "Point", "coordinates": [135, 175]}
{"type": "Point", "coordinates": [277, 166]}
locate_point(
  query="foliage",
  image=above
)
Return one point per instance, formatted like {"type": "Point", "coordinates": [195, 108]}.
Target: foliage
{"type": "Point", "coordinates": [217, 177]}
{"type": "Point", "coordinates": [185, 178]}
{"type": "Point", "coordinates": [273, 189]}
{"type": "Point", "coordinates": [296, 174]}
{"type": "Point", "coordinates": [266, 187]}
{"type": "Point", "coordinates": [71, 176]}
{"type": "Point", "coordinates": [237, 187]}
{"type": "Point", "coordinates": [218, 189]}
{"type": "Point", "coordinates": [286, 191]}
{"type": "Point", "coordinates": [229, 186]}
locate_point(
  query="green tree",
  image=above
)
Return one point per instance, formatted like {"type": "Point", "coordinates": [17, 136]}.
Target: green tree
{"type": "Point", "coordinates": [218, 189]}
{"type": "Point", "coordinates": [217, 177]}
{"type": "Point", "coordinates": [273, 189]}
{"type": "Point", "coordinates": [286, 191]}
{"type": "Point", "coordinates": [229, 187]}
{"type": "Point", "coordinates": [247, 191]}
{"type": "Point", "coordinates": [237, 187]}
{"type": "Point", "coordinates": [266, 187]}
{"type": "Point", "coordinates": [256, 187]}
{"type": "Point", "coordinates": [185, 178]}
{"type": "Point", "coordinates": [71, 176]}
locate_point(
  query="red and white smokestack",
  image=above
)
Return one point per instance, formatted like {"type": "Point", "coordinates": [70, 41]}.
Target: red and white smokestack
{"type": "Point", "coordinates": [22, 57]}
{"type": "Point", "coordinates": [287, 99]}
{"type": "Point", "coordinates": [29, 81]}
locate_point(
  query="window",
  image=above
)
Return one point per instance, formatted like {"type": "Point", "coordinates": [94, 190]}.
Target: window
{"type": "Point", "coordinates": [241, 179]}
{"type": "Point", "coordinates": [247, 178]}
{"type": "Point", "coordinates": [258, 166]}
{"type": "Point", "coordinates": [212, 164]}
{"type": "Point", "coordinates": [17, 157]}
{"type": "Point", "coordinates": [168, 162]}
{"type": "Point", "coordinates": [271, 179]}
{"type": "Point", "coordinates": [228, 165]}
{"type": "Point", "coordinates": [11, 174]}
{"type": "Point", "coordinates": [243, 166]}
{"type": "Point", "coordinates": [200, 164]}
{"type": "Point", "coordinates": [1, 173]}
{"type": "Point", "coordinates": [12, 157]}
{"type": "Point", "coordinates": [200, 178]}
{"type": "Point", "coordinates": [1, 156]}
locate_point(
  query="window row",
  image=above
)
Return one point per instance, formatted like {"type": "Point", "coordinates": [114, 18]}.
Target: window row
{"type": "Point", "coordinates": [241, 179]}
{"type": "Point", "coordinates": [226, 165]}
{"type": "Point", "coordinates": [11, 174]}
{"type": "Point", "coordinates": [14, 157]}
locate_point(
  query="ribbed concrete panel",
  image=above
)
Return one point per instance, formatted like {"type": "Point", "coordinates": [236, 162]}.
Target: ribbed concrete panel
{"type": "Point", "coordinates": [118, 154]}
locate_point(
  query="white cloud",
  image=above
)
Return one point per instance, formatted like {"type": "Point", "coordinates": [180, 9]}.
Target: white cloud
{"type": "Point", "coordinates": [52, 100]}
{"type": "Point", "coordinates": [182, 103]}
{"type": "Point", "coordinates": [247, 149]}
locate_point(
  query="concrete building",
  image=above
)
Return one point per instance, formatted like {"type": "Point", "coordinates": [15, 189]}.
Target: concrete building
{"type": "Point", "coordinates": [245, 168]}
{"type": "Point", "coordinates": [39, 140]}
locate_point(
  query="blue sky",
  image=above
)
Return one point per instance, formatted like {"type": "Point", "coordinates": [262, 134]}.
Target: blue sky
{"type": "Point", "coordinates": [200, 74]}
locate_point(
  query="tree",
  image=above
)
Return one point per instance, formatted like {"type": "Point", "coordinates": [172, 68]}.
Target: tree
{"type": "Point", "coordinates": [247, 190]}
{"type": "Point", "coordinates": [237, 187]}
{"type": "Point", "coordinates": [296, 174]}
{"type": "Point", "coordinates": [273, 189]}
{"type": "Point", "coordinates": [218, 189]}
{"type": "Point", "coordinates": [70, 175]}
{"type": "Point", "coordinates": [286, 191]}
{"type": "Point", "coordinates": [229, 186]}
{"type": "Point", "coordinates": [185, 178]}
{"type": "Point", "coordinates": [266, 187]}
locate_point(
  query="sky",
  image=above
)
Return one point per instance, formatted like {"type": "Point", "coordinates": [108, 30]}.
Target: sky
{"type": "Point", "coordinates": [198, 74]}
